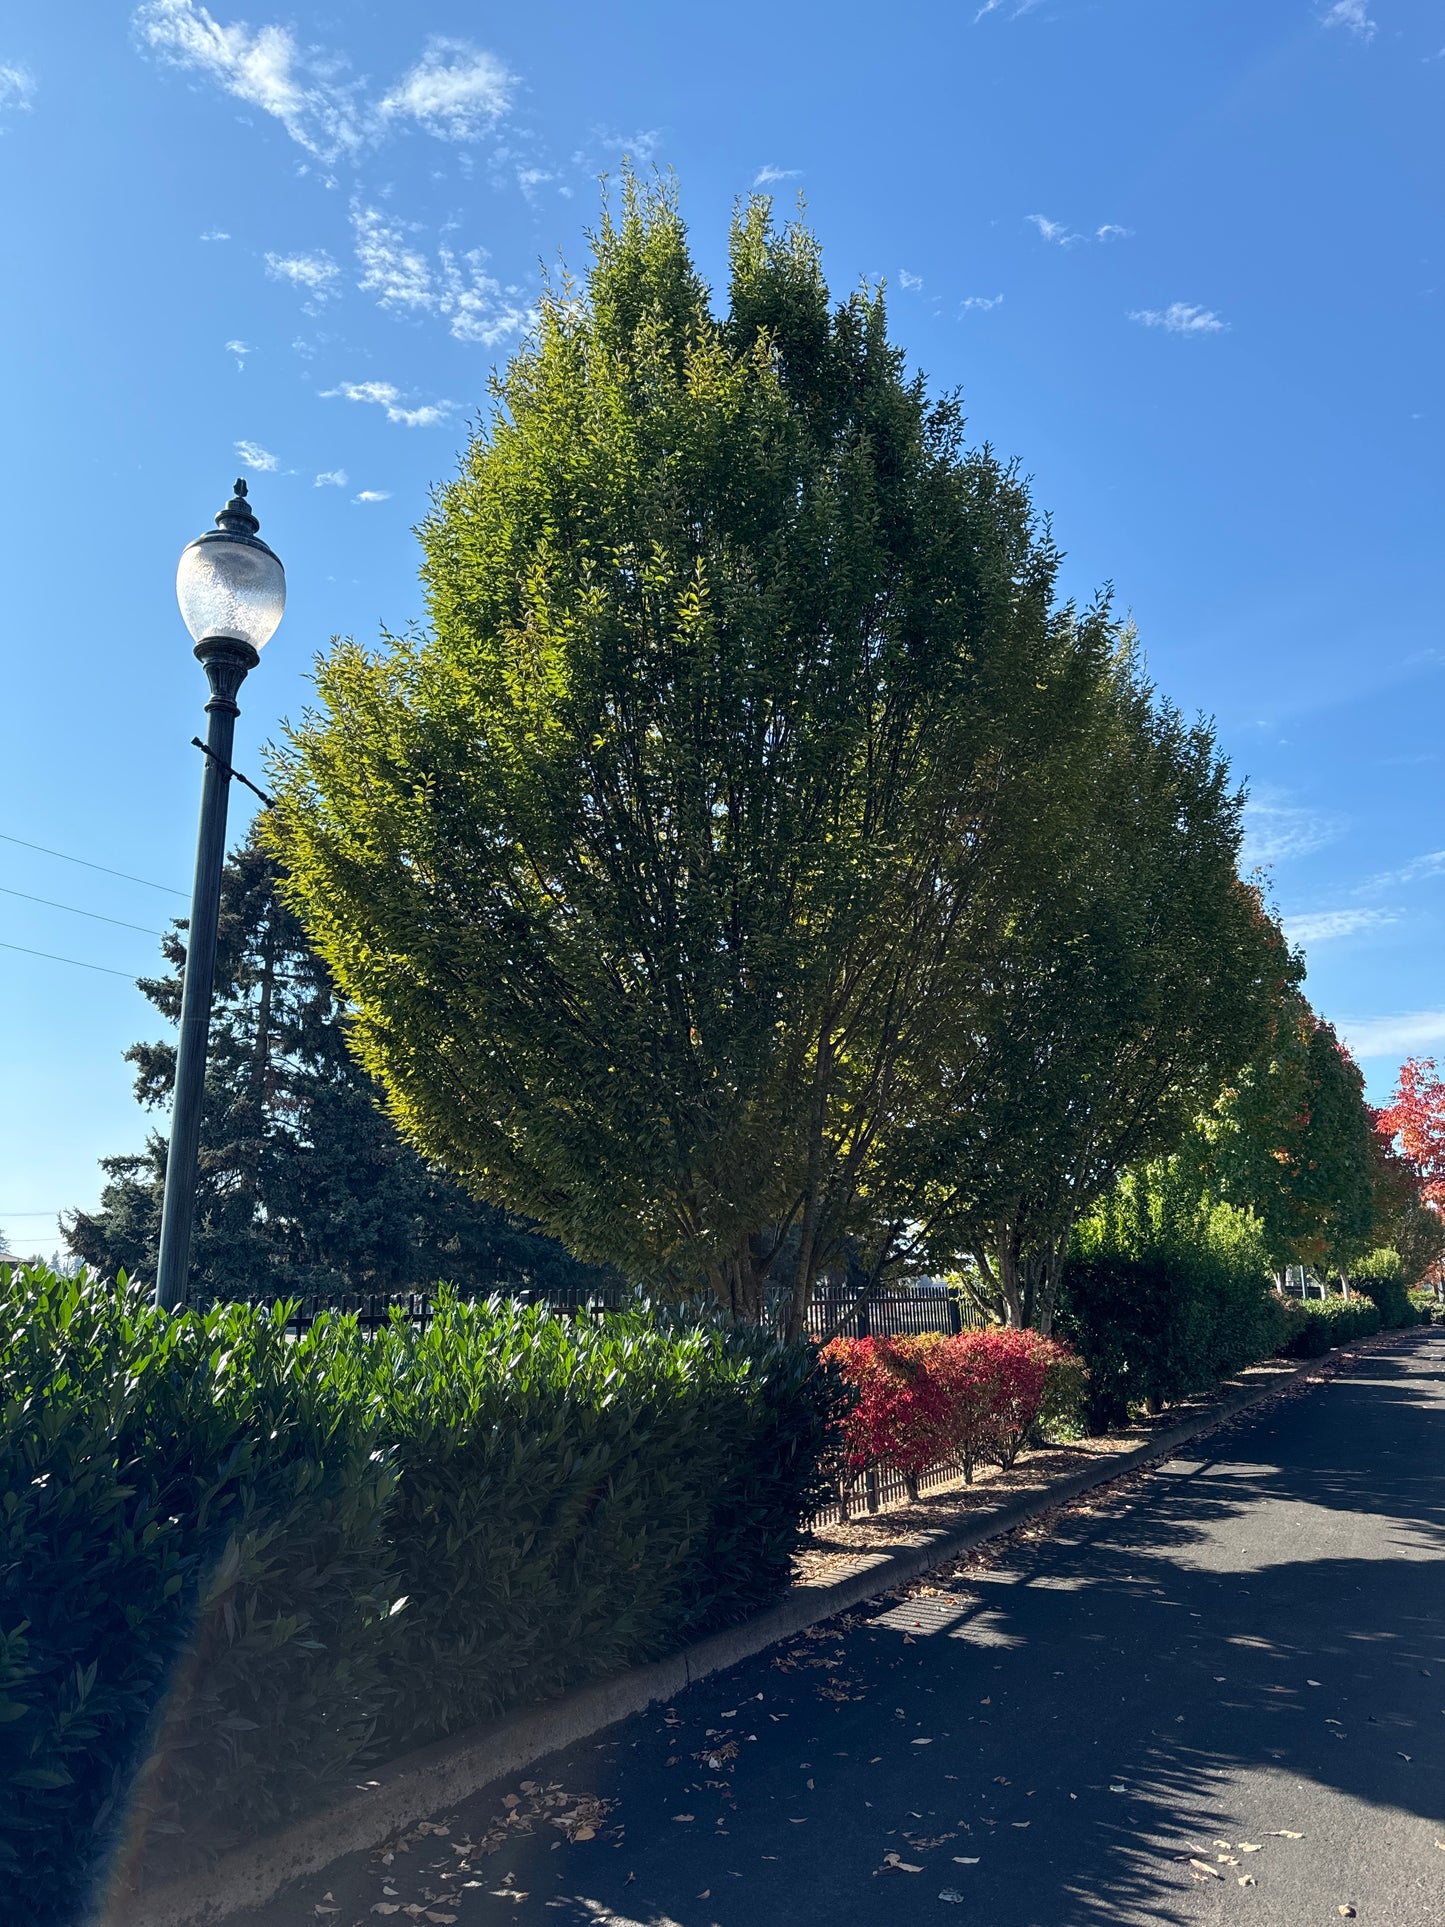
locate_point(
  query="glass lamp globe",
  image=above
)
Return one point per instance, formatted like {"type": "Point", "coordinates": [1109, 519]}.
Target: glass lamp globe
{"type": "Point", "coordinates": [229, 584]}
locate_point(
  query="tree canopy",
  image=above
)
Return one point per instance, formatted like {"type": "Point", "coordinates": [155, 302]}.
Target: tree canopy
{"type": "Point", "coordinates": [753, 855]}
{"type": "Point", "coordinates": [305, 1184]}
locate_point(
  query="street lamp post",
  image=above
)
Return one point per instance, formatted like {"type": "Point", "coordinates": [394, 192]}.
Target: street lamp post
{"type": "Point", "coordinates": [232, 592]}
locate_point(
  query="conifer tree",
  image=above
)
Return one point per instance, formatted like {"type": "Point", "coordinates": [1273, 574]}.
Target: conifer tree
{"type": "Point", "coordinates": [305, 1184]}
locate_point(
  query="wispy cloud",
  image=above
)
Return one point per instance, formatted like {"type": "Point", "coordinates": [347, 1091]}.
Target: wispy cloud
{"type": "Point", "coordinates": [766, 176]}
{"type": "Point", "coordinates": [1401, 1036]}
{"type": "Point", "coordinates": [1353, 15]}
{"type": "Point", "coordinates": [215, 234]}
{"type": "Point", "coordinates": [315, 275]}
{"type": "Point", "coordinates": [1059, 235]}
{"type": "Point", "coordinates": [1322, 926]}
{"type": "Point", "coordinates": [980, 303]}
{"type": "Point", "coordinates": [373, 495]}
{"type": "Point", "coordinates": [1015, 8]}
{"type": "Point", "coordinates": [1432, 864]}
{"type": "Point", "coordinates": [384, 395]}
{"type": "Point", "coordinates": [1054, 231]}
{"type": "Point", "coordinates": [907, 280]}
{"type": "Point", "coordinates": [455, 91]}
{"type": "Point", "coordinates": [1180, 318]}
{"type": "Point", "coordinates": [331, 478]}
{"type": "Point", "coordinates": [254, 456]}
{"type": "Point", "coordinates": [458, 288]}
{"type": "Point", "coordinates": [240, 349]}
{"type": "Point", "coordinates": [17, 87]}
{"type": "Point", "coordinates": [1275, 830]}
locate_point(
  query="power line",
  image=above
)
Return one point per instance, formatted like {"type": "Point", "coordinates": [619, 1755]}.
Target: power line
{"type": "Point", "coordinates": [51, 904]}
{"type": "Point", "coordinates": [105, 969]}
{"type": "Point", "coordinates": [87, 864]}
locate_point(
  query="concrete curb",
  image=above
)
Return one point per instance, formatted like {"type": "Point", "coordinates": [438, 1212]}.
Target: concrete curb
{"type": "Point", "coordinates": [423, 1782]}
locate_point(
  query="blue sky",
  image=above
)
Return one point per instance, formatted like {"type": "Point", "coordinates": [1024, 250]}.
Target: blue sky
{"type": "Point", "coordinates": [1183, 259]}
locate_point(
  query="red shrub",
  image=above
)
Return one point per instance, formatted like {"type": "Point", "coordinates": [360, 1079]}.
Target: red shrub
{"type": "Point", "coordinates": [972, 1397]}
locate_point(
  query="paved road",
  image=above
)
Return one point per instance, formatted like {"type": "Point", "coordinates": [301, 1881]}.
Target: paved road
{"type": "Point", "coordinates": [1245, 1650]}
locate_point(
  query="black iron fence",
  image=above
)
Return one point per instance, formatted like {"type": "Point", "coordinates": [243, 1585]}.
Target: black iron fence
{"type": "Point", "coordinates": [835, 1311]}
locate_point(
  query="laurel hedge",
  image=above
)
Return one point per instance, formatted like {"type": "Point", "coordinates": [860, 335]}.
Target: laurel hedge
{"type": "Point", "coordinates": [237, 1565]}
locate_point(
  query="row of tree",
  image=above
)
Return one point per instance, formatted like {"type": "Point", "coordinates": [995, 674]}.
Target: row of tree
{"type": "Point", "coordinates": [754, 871]}
{"type": "Point", "coordinates": [755, 867]}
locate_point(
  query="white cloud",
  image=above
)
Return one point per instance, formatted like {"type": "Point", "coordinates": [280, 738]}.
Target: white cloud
{"type": "Point", "coordinates": [766, 176]}
{"type": "Point", "coordinates": [1016, 8]}
{"type": "Point", "coordinates": [316, 275]}
{"type": "Point", "coordinates": [397, 275]}
{"type": "Point", "coordinates": [1054, 231]}
{"type": "Point", "coordinates": [1403, 1036]}
{"type": "Point", "coordinates": [1274, 830]}
{"type": "Point", "coordinates": [1111, 231]}
{"type": "Point", "coordinates": [1352, 15]}
{"type": "Point", "coordinates": [980, 302]}
{"type": "Point", "coordinates": [263, 67]}
{"type": "Point", "coordinates": [1321, 926]}
{"type": "Point", "coordinates": [254, 456]}
{"type": "Point", "coordinates": [240, 349]}
{"type": "Point", "coordinates": [17, 87]}
{"type": "Point", "coordinates": [215, 234]}
{"type": "Point", "coordinates": [373, 495]}
{"type": "Point", "coordinates": [1180, 318]}
{"type": "Point", "coordinates": [907, 280]}
{"type": "Point", "coordinates": [1429, 865]}
{"type": "Point", "coordinates": [455, 91]}
{"type": "Point", "coordinates": [384, 395]}
{"type": "Point", "coordinates": [459, 289]}
{"type": "Point", "coordinates": [331, 478]}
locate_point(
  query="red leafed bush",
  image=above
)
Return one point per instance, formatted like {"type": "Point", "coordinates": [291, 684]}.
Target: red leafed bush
{"type": "Point", "coordinates": [974, 1397]}
{"type": "Point", "coordinates": [902, 1416]}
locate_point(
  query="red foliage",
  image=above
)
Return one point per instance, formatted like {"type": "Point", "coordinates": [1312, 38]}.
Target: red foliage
{"type": "Point", "coordinates": [973, 1397]}
{"type": "Point", "coordinates": [1416, 1119]}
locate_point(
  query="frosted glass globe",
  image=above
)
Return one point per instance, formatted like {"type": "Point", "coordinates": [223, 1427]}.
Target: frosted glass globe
{"type": "Point", "coordinates": [229, 585]}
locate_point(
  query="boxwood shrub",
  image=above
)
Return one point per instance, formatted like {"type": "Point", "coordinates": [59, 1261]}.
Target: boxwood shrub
{"type": "Point", "coordinates": [235, 1566]}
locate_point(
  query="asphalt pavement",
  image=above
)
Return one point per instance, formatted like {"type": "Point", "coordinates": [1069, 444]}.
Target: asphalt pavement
{"type": "Point", "coordinates": [1215, 1691]}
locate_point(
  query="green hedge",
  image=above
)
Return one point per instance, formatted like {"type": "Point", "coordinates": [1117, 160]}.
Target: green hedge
{"type": "Point", "coordinates": [235, 1568]}
{"type": "Point", "coordinates": [1381, 1277]}
{"type": "Point", "coordinates": [1163, 1300]}
{"type": "Point", "coordinates": [1312, 1326]}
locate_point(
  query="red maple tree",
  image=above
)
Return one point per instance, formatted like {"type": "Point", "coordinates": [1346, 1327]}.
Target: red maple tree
{"type": "Point", "coordinates": [1415, 1121]}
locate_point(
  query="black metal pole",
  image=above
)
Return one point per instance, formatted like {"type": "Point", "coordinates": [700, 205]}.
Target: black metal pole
{"type": "Point", "coordinates": [226, 662]}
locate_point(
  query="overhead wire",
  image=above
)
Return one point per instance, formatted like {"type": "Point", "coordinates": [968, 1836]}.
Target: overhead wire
{"type": "Point", "coordinates": [86, 863]}
{"type": "Point", "coordinates": [76, 911]}
{"type": "Point", "coordinates": [50, 956]}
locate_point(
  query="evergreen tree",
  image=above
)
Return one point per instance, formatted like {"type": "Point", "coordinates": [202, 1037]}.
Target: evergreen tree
{"type": "Point", "coordinates": [305, 1184]}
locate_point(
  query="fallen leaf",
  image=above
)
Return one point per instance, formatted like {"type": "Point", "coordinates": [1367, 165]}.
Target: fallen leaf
{"type": "Point", "coordinates": [1204, 1867]}
{"type": "Point", "coordinates": [511, 1800]}
{"type": "Point", "coordinates": [706, 1894]}
{"type": "Point", "coordinates": [682, 1816]}
{"type": "Point", "coordinates": [1250, 1846]}
{"type": "Point", "coordinates": [385, 1907]}
{"type": "Point", "coordinates": [967, 1859]}
{"type": "Point", "coordinates": [444, 1920]}
{"type": "Point", "coordinates": [584, 1833]}
{"type": "Point", "coordinates": [1118, 1789]}
{"type": "Point", "coordinates": [951, 1894]}
{"type": "Point", "coordinates": [1345, 1913]}
{"type": "Point", "coordinates": [920, 1742]}
{"type": "Point", "coordinates": [1018, 1823]}
{"type": "Point", "coordinates": [892, 1863]}
{"type": "Point", "coordinates": [1246, 1880]}
{"type": "Point", "coordinates": [1311, 1682]}
{"type": "Point", "coordinates": [1403, 1756]}
{"type": "Point", "coordinates": [1284, 1833]}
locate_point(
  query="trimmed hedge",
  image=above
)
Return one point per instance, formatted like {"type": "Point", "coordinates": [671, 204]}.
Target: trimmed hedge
{"type": "Point", "coordinates": [236, 1567]}
{"type": "Point", "coordinates": [1161, 1308]}
{"type": "Point", "coordinates": [1313, 1326]}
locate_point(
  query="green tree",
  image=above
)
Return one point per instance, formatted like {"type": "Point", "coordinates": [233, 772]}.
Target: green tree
{"type": "Point", "coordinates": [1292, 1139]}
{"type": "Point", "coordinates": [305, 1184]}
{"type": "Point", "coordinates": [656, 870]}
{"type": "Point", "coordinates": [1133, 980]}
